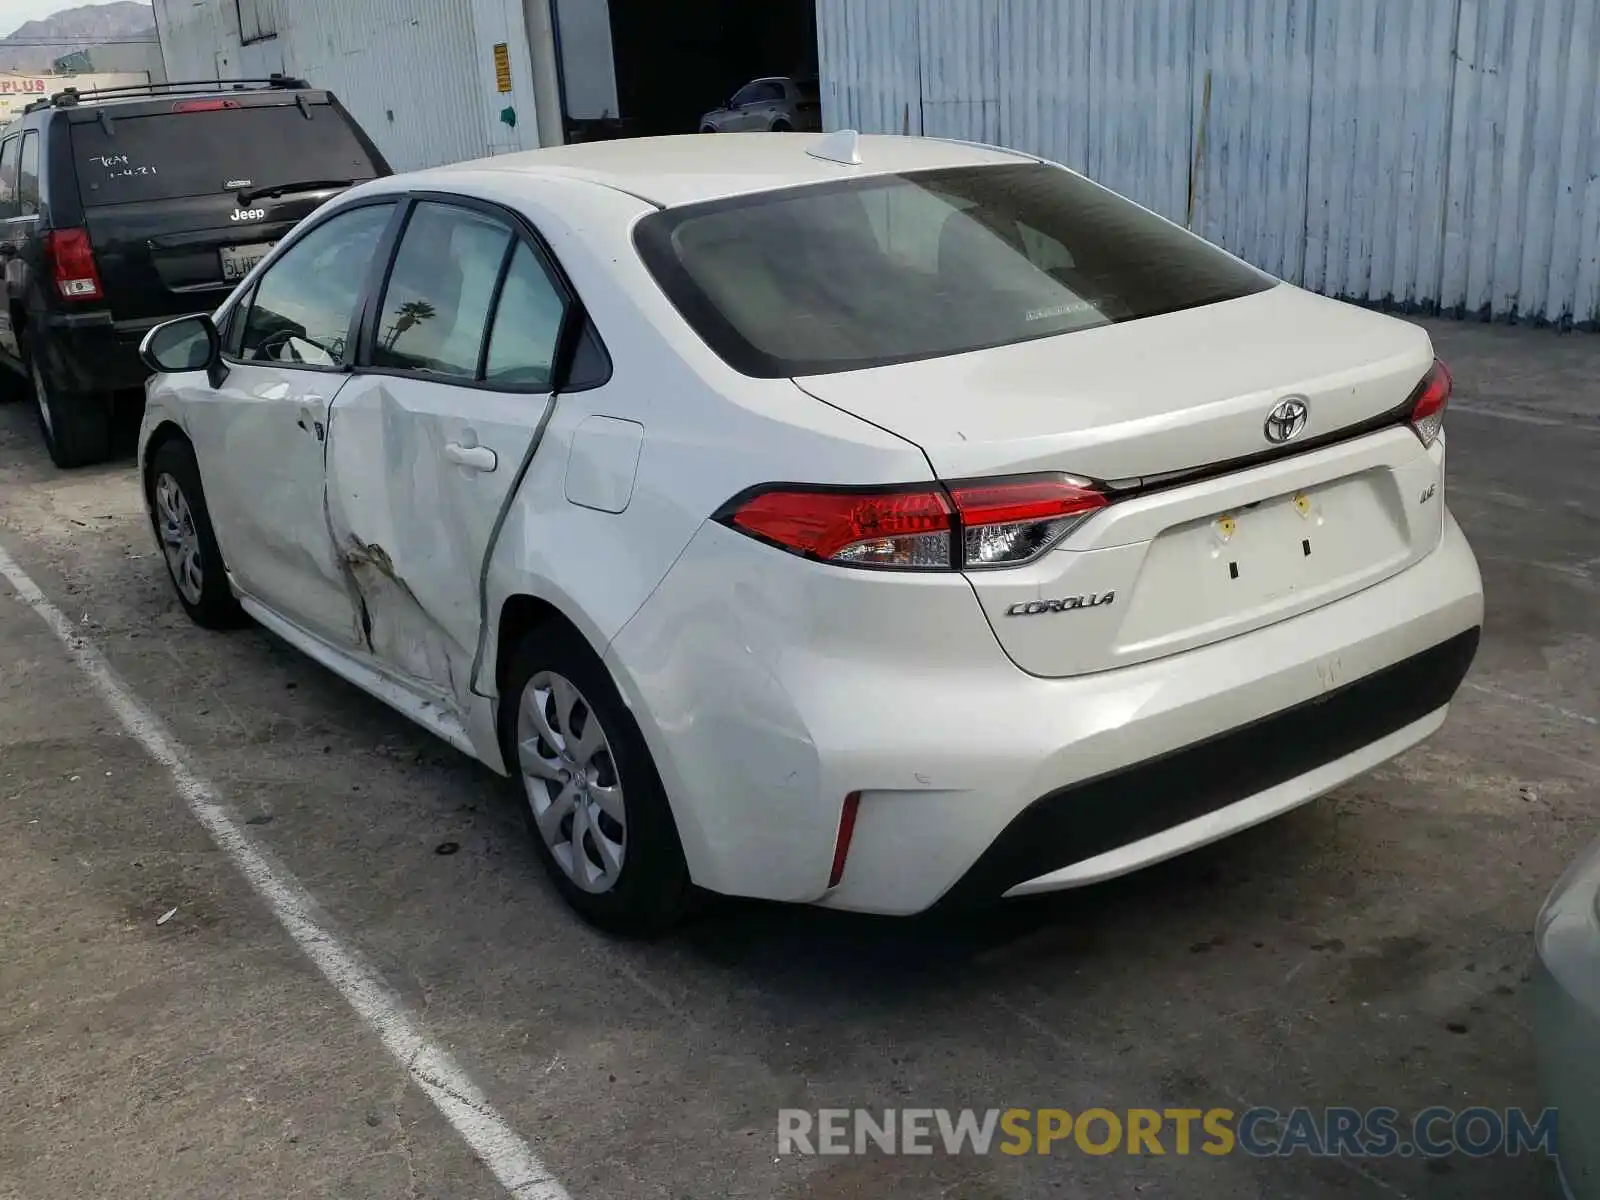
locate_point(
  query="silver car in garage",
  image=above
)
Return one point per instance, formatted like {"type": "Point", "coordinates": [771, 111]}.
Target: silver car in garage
{"type": "Point", "coordinates": [774, 104]}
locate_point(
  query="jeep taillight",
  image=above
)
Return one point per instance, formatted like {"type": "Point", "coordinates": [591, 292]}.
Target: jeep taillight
{"type": "Point", "coordinates": [967, 525]}
{"type": "Point", "coordinates": [72, 266]}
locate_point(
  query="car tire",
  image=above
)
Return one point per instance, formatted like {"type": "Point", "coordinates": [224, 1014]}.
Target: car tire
{"type": "Point", "coordinates": [782, 126]}
{"type": "Point", "coordinates": [623, 870]}
{"type": "Point", "coordinates": [76, 426]}
{"type": "Point", "coordinates": [708, 129]}
{"type": "Point", "coordinates": [188, 543]}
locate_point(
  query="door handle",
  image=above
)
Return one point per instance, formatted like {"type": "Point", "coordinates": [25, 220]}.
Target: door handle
{"type": "Point", "coordinates": [474, 458]}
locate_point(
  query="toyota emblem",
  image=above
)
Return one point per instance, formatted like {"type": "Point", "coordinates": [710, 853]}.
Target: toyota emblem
{"type": "Point", "coordinates": [1287, 421]}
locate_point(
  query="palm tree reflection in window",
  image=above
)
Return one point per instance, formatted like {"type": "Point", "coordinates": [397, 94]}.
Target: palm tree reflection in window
{"type": "Point", "coordinates": [409, 314]}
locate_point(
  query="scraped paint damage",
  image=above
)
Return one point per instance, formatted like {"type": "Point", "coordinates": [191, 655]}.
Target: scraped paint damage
{"type": "Point", "coordinates": [395, 627]}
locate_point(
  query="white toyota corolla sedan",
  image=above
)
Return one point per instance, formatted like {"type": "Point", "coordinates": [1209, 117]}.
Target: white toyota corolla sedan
{"type": "Point", "coordinates": [873, 522]}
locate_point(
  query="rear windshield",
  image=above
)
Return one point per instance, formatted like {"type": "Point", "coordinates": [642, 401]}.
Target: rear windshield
{"type": "Point", "coordinates": [839, 277]}
{"type": "Point", "coordinates": [169, 155]}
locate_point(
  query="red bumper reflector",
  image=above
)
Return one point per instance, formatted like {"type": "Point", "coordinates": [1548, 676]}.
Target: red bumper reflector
{"type": "Point", "coordinates": [847, 829]}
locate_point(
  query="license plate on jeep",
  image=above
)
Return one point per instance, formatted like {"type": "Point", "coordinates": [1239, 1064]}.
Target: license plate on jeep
{"type": "Point", "coordinates": [237, 260]}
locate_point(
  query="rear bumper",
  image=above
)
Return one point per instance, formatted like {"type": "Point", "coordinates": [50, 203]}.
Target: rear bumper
{"type": "Point", "coordinates": [768, 695]}
{"type": "Point", "coordinates": [89, 352]}
{"type": "Point", "coordinates": [1106, 826]}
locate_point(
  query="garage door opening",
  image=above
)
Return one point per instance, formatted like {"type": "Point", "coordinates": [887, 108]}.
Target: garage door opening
{"type": "Point", "coordinates": [669, 64]}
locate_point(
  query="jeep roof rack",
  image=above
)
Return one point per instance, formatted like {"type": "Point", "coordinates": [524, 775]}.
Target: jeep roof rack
{"type": "Point", "coordinates": [71, 97]}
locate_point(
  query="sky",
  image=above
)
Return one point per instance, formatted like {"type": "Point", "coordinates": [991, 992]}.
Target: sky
{"type": "Point", "coordinates": [14, 12]}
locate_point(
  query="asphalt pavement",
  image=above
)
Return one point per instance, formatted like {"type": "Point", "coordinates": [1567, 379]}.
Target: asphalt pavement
{"type": "Point", "coordinates": [1371, 949]}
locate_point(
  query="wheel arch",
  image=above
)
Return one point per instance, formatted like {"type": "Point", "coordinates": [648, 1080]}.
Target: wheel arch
{"type": "Point", "coordinates": [164, 431]}
{"type": "Point", "coordinates": [520, 614]}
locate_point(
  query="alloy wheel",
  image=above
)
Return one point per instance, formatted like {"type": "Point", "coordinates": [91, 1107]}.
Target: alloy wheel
{"type": "Point", "coordinates": [570, 778]}
{"type": "Point", "coordinates": [180, 542]}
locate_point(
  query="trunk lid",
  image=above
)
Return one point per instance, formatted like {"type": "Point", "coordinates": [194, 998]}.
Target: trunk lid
{"type": "Point", "coordinates": [1144, 397]}
{"type": "Point", "coordinates": [1190, 558]}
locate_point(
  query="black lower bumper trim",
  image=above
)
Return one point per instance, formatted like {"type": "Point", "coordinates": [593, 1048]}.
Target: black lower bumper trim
{"type": "Point", "coordinates": [1089, 818]}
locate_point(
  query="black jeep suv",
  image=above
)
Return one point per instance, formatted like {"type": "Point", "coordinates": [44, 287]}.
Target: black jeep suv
{"type": "Point", "coordinates": [122, 208]}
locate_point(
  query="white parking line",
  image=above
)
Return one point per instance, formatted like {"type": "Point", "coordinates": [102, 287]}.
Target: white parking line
{"type": "Point", "coordinates": [1525, 418]}
{"type": "Point", "coordinates": [1488, 689]}
{"type": "Point", "coordinates": [453, 1093]}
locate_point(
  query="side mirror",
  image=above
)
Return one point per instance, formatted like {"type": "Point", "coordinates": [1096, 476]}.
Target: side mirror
{"type": "Point", "coordinates": [187, 344]}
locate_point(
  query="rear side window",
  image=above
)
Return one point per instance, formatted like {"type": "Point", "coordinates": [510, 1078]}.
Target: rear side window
{"type": "Point", "coordinates": [28, 176]}
{"type": "Point", "coordinates": [527, 326]}
{"type": "Point", "coordinates": [213, 151]}
{"type": "Point", "coordinates": [895, 268]}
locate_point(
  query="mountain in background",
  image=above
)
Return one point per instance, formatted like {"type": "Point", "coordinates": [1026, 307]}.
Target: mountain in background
{"type": "Point", "coordinates": [35, 45]}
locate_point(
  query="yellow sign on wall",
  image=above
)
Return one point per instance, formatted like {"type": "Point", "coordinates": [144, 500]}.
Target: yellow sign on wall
{"type": "Point", "coordinates": [502, 66]}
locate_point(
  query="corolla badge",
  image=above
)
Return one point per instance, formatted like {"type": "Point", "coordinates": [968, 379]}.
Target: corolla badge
{"type": "Point", "coordinates": [1037, 608]}
{"type": "Point", "coordinates": [1287, 420]}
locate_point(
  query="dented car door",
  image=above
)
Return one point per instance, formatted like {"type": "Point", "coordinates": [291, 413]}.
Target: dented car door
{"type": "Point", "coordinates": [429, 440]}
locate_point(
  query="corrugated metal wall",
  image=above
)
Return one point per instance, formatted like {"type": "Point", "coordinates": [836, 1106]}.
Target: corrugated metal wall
{"type": "Point", "coordinates": [417, 74]}
{"type": "Point", "coordinates": [1432, 154]}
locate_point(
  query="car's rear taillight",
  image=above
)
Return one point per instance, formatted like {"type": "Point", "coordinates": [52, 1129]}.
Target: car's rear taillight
{"type": "Point", "coordinates": [1008, 522]}
{"type": "Point", "coordinates": [71, 257]}
{"type": "Point", "coordinates": [862, 527]}
{"type": "Point", "coordinates": [1428, 403]}
{"type": "Point", "coordinates": [966, 525]}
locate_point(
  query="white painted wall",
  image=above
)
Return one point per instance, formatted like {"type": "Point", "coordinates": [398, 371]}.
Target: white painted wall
{"type": "Point", "coordinates": [1434, 154]}
{"type": "Point", "coordinates": [418, 75]}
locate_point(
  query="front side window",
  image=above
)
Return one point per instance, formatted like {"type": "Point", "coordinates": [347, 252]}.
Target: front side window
{"type": "Point", "coordinates": [306, 300]}
{"type": "Point", "coordinates": [896, 268]}
{"type": "Point", "coordinates": [238, 318]}
{"type": "Point", "coordinates": [435, 309]}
